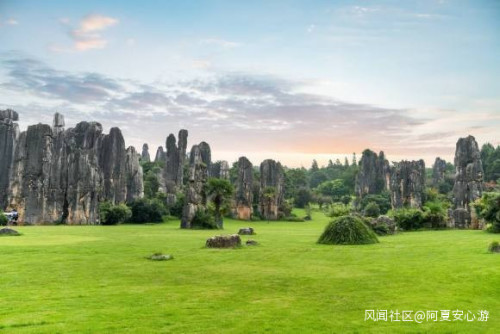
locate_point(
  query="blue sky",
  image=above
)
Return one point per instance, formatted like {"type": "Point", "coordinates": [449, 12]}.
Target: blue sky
{"type": "Point", "coordinates": [293, 80]}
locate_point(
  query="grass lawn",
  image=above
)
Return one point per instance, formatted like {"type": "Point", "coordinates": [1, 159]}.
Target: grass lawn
{"type": "Point", "coordinates": [95, 279]}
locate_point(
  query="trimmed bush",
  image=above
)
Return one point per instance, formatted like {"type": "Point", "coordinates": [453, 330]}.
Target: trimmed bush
{"type": "Point", "coordinates": [372, 210]}
{"type": "Point", "coordinates": [147, 211]}
{"type": "Point", "coordinates": [113, 214]}
{"type": "Point", "coordinates": [204, 220]}
{"type": "Point", "coordinates": [494, 247]}
{"type": "Point", "coordinates": [408, 219]}
{"type": "Point", "coordinates": [338, 210]}
{"type": "Point", "coordinates": [3, 219]}
{"type": "Point", "coordinates": [347, 230]}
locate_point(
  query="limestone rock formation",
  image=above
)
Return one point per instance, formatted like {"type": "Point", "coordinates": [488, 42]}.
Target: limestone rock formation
{"type": "Point", "coordinates": [468, 179]}
{"type": "Point", "coordinates": [244, 189]}
{"type": "Point", "coordinates": [9, 133]}
{"type": "Point", "coordinates": [174, 166]}
{"type": "Point", "coordinates": [374, 174]}
{"type": "Point", "coordinates": [145, 153]}
{"type": "Point", "coordinates": [62, 175]}
{"type": "Point", "coordinates": [408, 184]}
{"type": "Point", "coordinates": [195, 198]}
{"type": "Point", "coordinates": [160, 155]}
{"type": "Point", "coordinates": [224, 241]}
{"type": "Point", "coordinates": [220, 170]}
{"type": "Point", "coordinates": [272, 188]}
{"type": "Point", "coordinates": [438, 170]}
{"type": "Point", "coordinates": [246, 231]}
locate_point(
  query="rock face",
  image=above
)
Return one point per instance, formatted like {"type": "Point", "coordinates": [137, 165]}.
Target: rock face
{"type": "Point", "coordinates": [9, 133]}
{"type": "Point", "coordinates": [220, 170]}
{"type": "Point", "coordinates": [244, 189]}
{"type": "Point", "coordinates": [160, 155]}
{"type": "Point", "coordinates": [174, 166]}
{"type": "Point", "coordinates": [224, 241]}
{"type": "Point", "coordinates": [145, 153]}
{"type": "Point", "coordinates": [272, 182]}
{"type": "Point", "coordinates": [195, 198]}
{"type": "Point", "coordinates": [408, 184]}
{"type": "Point", "coordinates": [438, 170]}
{"type": "Point", "coordinates": [468, 180]}
{"type": "Point", "coordinates": [374, 174]}
{"type": "Point", "coordinates": [61, 175]}
{"type": "Point", "coordinates": [246, 231]}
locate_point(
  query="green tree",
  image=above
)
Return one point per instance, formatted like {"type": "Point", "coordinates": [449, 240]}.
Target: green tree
{"type": "Point", "coordinates": [219, 191]}
{"type": "Point", "coordinates": [334, 188]}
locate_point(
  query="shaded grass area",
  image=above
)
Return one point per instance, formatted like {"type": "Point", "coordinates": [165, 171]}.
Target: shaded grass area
{"type": "Point", "coordinates": [88, 279]}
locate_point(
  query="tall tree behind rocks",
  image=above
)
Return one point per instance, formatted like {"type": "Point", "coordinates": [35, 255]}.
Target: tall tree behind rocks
{"type": "Point", "coordinates": [174, 172]}
{"type": "Point", "coordinates": [9, 133]}
{"type": "Point", "coordinates": [244, 189]}
{"type": "Point", "coordinates": [272, 181]}
{"type": "Point", "coordinates": [219, 170]}
{"type": "Point", "coordinates": [61, 175]}
{"type": "Point", "coordinates": [145, 153]}
{"type": "Point", "coordinates": [195, 198]}
{"type": "Point", "coordinates": [408, 184]}
{"type": "Point", "coordinates": [374, 174]}
{"type": "Point", "coordinates": [438, 171]}
{"type": "Point", "coordinates": [468, 180]}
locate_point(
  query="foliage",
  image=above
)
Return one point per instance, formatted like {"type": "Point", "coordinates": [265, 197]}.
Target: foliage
{"type": "Point", "coordinates": [383, 200]}
{"type": "Point", "coordinates": [204, 220]}
{"type": "Point", "coordinates": [176, 208]}
{"type": "Point", "coordinates": [147, 211]}
{"type": "Point", "coordinates": [408, 218]}
{"type": "Point", "coordinates": [219, 192]}
{"type": "Point", "coordinates": [322, 200]}
{"type": "Point", "coordinates": [334, 188]}
{"type": "Point", "coordinates": [490, 157]}
{"type": "Point", "coordinates": [372, 210]}
{"type": "Point", "coordinates": [338, 210]}
{"type": "Point", "coordinates": [380, 228]}
{"type": "Point", "coordinates": [494, 247]}
{"type": "Point", "coordinates": [435, 214]}
{"type": "Point", "coordinates": [3, 219]}
{"type": "Point", "coordinates": [113, 214]}
{"type": "Point", "coordinates": [488, 208]}
{"type": "Point", "coordinates": [303, 197]}
{"type": "Point", "coordinates": [347, 230]}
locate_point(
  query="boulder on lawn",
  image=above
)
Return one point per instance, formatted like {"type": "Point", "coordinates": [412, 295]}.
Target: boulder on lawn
{"type": "Point", "coordinates": [160, 257]}
{"type": "Point", "coordinates": [8, 231]}
{"type": "Point", "coordinates": [251, 243]}
{"type": "Point", "coordinates": [224, 241]}
{"type": "Point", "coordinates": [246, 231]}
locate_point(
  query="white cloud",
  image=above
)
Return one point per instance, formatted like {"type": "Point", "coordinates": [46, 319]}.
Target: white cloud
{"type": "Point", "coordinates": [220, 42]}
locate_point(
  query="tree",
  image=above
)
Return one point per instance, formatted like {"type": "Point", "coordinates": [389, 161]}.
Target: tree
{"type": "Point", "coordinates": [219, 191]}
{"type": "Point", "coordinates": [314, 166]}
{"type": "Point", "coordinates": [303, 198]}
{"type": "Point", "coordinates": [335, 188]}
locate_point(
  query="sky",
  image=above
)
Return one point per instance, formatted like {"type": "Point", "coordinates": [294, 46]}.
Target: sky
{"type": "Point", "coordinates": [288, 80]}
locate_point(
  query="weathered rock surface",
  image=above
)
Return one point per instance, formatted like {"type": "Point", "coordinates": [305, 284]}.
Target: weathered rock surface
{"type": "Point", "coordinates": [145, 153]}
{"type": "Point", "coordinates": [408, 184]}
{"type": "Point", "coordinates": [246, 231]}
{"type": "Point", "coordinates": [174, 166]}
{"type": "Point", "coordinates": [438, 170]}
{"type": "Point", "coordinates": [8, 231]}
{"type": "Point", "coordinates": [224, 241]}
{"type": "Point", "coordinates": [374, 174]}
{"type": "Point", "coordinates": [384, 221]}
{"type": "Point", "coordinates": [468, 180]}
{"type": "Point", "coordinates": [272, 188]}
{"type": "Point", "coordinates": [244, 189]}
{"type": "Point", "coordinates": [220, 170]}
{"type": "Point", "coordinates": [251, 243]}
{"type": "Point", "coordinates": [160, 155]}
{"type": "Point", "coordinates": [195, 198]}
{"type": "Point", "coordinates": [9, 133]}
{"type": "Point", "coordinates": [62, 175]}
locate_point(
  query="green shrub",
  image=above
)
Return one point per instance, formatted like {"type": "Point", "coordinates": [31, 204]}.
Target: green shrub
{"type": "Point", "coordinates": [372, 210]}
{"type": "Point", "coordinates": [3, 219]}
{"type": "Point", "coordinates": [204, 220]}
{"type": "Point", "coordinates": [302, 198]}
{"type": "Point", "coordinates": [147, 211]}
{"type": "Point", "coordinates": [338, 210]}
{"type": "Point", "coordinates": [435, 215]}
{"type": "Point", "coordinates": [383, 201]}
{"type": "Point", "coordinates": [380, 228]}
{"type": "Point", "coordinates": [293, 219]}
{"type": "Point", "coordinates": [176, 209]}
{"type": "Point", "coordinates": [488, 208]}
{"type": "Point", "coordinates": [347, 230]}
{"type": "Point", "coordinates": [113, 214]}
{"type": "Point", "coordinates": [494, 247]}
{"type": "Point", "coordinates": [408, 219]}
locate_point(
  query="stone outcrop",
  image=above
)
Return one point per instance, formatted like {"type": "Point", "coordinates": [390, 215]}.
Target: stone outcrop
{"type": "Point", "coordinates": [59, 175]}
{"type": "Point", "coordinates": [408, 184]}
{"type": "Point", "coordinates": [244, 189]}
{"type": "Point", "coordinates": [438, 170]}
{"type": "Point", "coordinates": [9, 133]}
{"type": "Point", "coordinates": [174, 167]}
{"type": "Point", "coordinates": [224, 241]}
{"type": "Point", "coordinates": [160, 155]}
{"type": "Point", "coordinates": [272, 188]}
{"type": "Point", "coordinates": [195, 198]}
{"type": "Point", "coordinates": [374, 174]}
{"type": "Point", "coordinates": [145, 153]}
{"type": "Point", "coordinates": [220, 170]}
{"type": "Point", "coordinates": [468, 180]}
{"type": "Point", "coordinates": [246, 231]}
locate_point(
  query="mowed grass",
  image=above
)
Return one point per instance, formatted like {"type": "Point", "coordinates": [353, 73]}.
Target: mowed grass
{"type": "Point", "coordinates": [96, 279]}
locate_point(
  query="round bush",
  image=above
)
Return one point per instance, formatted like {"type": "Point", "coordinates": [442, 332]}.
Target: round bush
{"type": "Point", "coordinates": [372, 210]}
{"type": "Point", "coordinates": [347, 230]}
{"type": "Point", "coordinates": [3, 219]}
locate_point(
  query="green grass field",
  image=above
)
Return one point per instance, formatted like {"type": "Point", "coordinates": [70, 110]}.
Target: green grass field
{"type": "Point", "coordinates": [96, 279]}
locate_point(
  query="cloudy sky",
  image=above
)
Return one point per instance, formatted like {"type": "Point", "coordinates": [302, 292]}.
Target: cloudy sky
{"type": "Point", "coordinates": [290, 80]}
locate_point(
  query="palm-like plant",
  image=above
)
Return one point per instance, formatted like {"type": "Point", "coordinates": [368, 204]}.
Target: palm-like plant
{"type": "Point", "coordinates": [219, 191]}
